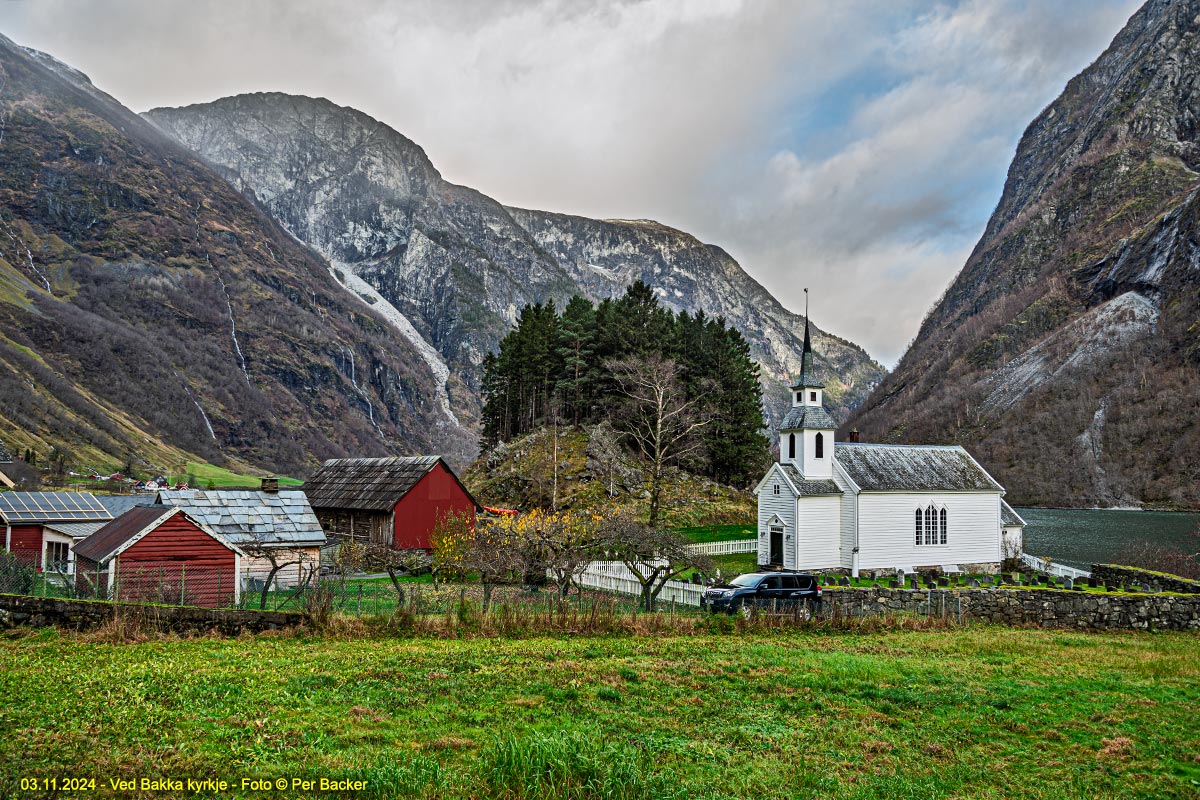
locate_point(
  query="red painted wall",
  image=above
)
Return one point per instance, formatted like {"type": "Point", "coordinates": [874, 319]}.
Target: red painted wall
{"type": "Point", "coordinates": [435, 495]}
{"type": "Point", "coordinates": [175, 559]}
{"type": "Point", "coordinates": [26, 544]}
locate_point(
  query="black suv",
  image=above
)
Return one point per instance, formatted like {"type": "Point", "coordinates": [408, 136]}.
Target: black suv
{"type": "Point", "coordinates": [786, 592]}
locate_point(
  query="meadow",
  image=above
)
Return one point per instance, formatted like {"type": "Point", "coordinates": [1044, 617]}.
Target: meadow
{"type": "Point", "coordinates": [978, 711]}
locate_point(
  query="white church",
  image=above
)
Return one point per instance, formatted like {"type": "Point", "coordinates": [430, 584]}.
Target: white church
{"type": "Point", "coordinates": [876, 507]}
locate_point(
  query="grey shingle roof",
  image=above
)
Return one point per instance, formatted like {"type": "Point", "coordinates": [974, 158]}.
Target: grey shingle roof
{"type": "Point", "coordinates": [1010, 518]}
{"type": "Point", "coordinates": [368, 484]}
{"type": "Point", "coordinates": [118, 504]}
{"type": "Point", "coordinates": [245, 516]}
{"type": "Point", "coordinates": [76, 530]}
{"type": "Point", "coordinates": [807, 418]}
{"type": "Point", "coordinates": [33, 508]}
{"type": "Point", "coordinates": [807, 487]}
{"type": "Point", "coordinates": [912, 468]}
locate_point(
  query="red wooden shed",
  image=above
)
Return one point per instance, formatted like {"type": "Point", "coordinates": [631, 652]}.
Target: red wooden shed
{"type": "Point", "coordinates": [392, 501]}
{"type": "Point", "coordinates": [159, 554]}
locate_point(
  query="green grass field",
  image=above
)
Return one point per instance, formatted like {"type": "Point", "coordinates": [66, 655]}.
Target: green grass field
{"type": "Point", "coordinates": [222, 478]}
{"type": "Point", "coordinates": [962, 713]}
{"type": "Point", "coordinates": [718, 533]}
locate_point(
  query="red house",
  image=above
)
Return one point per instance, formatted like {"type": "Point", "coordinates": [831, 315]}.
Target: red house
{"type": "Point", "coordinates": [392, 501]}
{"type": "Point", "coordinates": [36, 525]}
{"type": "Point", "coordinates": [159, 554]}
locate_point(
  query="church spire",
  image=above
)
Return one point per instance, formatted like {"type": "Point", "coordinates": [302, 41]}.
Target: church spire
{"type": "Point", "coordinates": [808, 376]}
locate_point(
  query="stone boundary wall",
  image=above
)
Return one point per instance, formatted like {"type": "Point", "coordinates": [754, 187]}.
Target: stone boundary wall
{"type": "Point", "coordinates": [44, 612]}
{"type": "Point", "coordinates": [1047, 608]}
{"type": "Point", "coordinates": [1155, 581]}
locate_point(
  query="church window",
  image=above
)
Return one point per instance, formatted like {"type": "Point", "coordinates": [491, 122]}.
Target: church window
{"type": "Point", "coordinates": [777, 488]}
{"type": "Point", "coordinates": [798, 396]}
{"type": "Point", "coordinates": [920, 525]}
{"type": "Point", "coordinates": [812, 396]}
{"type": "Point", "coordinates": [820, 448]}
{"type": "Point", "coordinates": [943, 531]}
{"type": "Point", "coordinates": [931, 536]}
{"type": "Point", "coordinates": [791, 445]}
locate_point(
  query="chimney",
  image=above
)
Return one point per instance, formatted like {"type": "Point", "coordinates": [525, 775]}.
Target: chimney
{"type": "Point", "coordinates": [854, 435]}
{"type": "Point", "coordinates": [270, 485]}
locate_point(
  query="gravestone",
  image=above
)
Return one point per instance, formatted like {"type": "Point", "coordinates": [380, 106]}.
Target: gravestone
{"type": "Point", "coordinates": [974, 583]}
{"type": "Point", "coordinates": [1068, 583]}
{"type": "Point", "coordinates": [845, 581]}
{"type": "Point", "coordinates": [1110, 587]}
{"type": "Point", "coordinates": [943, 582]}
{"type": "Point", "coordinates": [916, 582]}
{"type": "Point", "coordinates": [1041, 579]}
{"type": "Point", "coordinates": [999, 580]}
{"type": "Point", "coordinates": [876, 585]}
{"type": "Point", "coordinates": [1093, 581]}
{"type": "Point", "coordinates": [893, 584]}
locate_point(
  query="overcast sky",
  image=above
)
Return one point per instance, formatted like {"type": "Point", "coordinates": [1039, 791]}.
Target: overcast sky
{"type": "Point", "coordinates": [853, 147]}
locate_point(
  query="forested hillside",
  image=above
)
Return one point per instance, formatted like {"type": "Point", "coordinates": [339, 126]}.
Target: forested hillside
{"type": "Point", "coordinates": [564, 367]}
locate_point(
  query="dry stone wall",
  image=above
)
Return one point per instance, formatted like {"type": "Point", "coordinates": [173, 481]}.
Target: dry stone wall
{"type": "Point", "coordinates": [1048, 608]}
{"type": "Point", "coordinates": [41, 612]}
{"type": "Point", "coordinates": [1114, 575]}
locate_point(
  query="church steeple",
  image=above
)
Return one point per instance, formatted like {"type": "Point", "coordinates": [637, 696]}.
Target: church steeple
{"type": "Point", "coordinates": [808, 376]}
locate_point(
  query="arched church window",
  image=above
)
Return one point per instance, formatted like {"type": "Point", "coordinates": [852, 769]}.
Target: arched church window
{"type": "Point", "coordinates": [943, 526]}
{"type": "Point", "coordinates": [920, 525]}
{"type": "Point", "coordinates": [820, 446]}
{"type": "Point", "coordinates": [931, 536]}
{"type": "Point", "coordinates": [791, 445]}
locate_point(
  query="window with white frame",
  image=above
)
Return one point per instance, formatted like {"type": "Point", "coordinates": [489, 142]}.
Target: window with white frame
{"type": "Point", "coordinates": [776, 488]}
{"type": "Point", "coordinates": [58, 556]}
{"type": "Point", "coordinates": [929, 526]}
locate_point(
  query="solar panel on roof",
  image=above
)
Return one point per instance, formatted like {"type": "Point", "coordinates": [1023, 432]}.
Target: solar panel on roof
{"type": "Point", "coordinates": [39, 507]}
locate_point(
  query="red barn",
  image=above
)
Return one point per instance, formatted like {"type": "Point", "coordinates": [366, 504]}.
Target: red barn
{"type": "Point", "coordinates": [392, 501]}
{"type": "Point", "coordinates": [159, 554]}
{"type": "Point", "coordinates": [26, 517]}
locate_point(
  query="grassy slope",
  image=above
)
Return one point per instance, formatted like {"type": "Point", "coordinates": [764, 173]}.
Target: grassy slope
{"type": "Point", "coordinates": [977, 712]}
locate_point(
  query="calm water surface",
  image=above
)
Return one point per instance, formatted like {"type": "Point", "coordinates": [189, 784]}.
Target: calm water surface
{"type": "Point", "coordinates": [1082, 538]}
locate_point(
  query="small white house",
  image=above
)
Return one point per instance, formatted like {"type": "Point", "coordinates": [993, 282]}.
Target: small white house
{"type": "Point", "coordinates": [845, 505]}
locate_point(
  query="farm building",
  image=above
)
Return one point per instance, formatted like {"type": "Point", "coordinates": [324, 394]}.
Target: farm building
{"type": "Point", "coordinates": [391, 501]}
{"type": "Point", "coordinates": [159, 554]}
{"type": "Point", "coordinates": [268, 525]}
{"type": "Point", "coordinates": [33, 523]}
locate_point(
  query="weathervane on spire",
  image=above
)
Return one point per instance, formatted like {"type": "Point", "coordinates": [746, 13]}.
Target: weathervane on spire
{"type": "Point", "coordinates": [806, 304]}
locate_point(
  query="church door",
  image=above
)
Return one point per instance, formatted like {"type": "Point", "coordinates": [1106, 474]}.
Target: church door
{"type": "Point", "coordinates": [776, 546]}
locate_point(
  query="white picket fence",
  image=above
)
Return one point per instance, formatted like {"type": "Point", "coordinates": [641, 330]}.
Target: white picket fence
{"type": "Point", "coordinates": [1050, 568]}
{"type": "Point", "coordinates": [725, 548]}
{"type": "Point", "coordinates": [614, 576]}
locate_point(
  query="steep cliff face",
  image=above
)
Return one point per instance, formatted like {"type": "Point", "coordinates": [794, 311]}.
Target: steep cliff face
{"type": "Point", "coordinates": [148, 311]}
{"type": "Point", "coordinates": [458, 265]}
{"type": "Point", "coordinates": [1066, 351]}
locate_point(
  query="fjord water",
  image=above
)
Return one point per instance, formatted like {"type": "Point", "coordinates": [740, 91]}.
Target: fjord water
{"type": "Point", "coordinates": [1082, 537]}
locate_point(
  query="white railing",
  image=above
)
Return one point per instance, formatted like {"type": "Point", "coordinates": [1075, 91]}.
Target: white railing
{"type": "Point", "coordinates": [614, 576]}
{"type": "Point", "coordinates": [725, 548]}
{"type": "Point", "coordinates": [1050, 568]}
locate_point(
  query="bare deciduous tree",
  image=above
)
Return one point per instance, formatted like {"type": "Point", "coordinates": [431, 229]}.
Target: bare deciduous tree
{"type": "Point", "coordinates": [657, 417]}
{"type": "Point", "coordinates": [653, 555]}
{"type": "Point", "coordinates": [279, 558]}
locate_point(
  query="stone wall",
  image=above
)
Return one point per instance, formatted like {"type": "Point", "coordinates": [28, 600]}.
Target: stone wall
{"type": "Point", "coordinates": [1155, 581]}
{"type": "Point", "coordinates": [1048, 608]}
{"type": "Point", "coordinates": [43, 612]}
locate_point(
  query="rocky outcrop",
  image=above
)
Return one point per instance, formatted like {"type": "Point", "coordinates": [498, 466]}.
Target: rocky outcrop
{"type": "Point", "coordinates": [457, 264]}
{"type": "Point", "coordinates": [1066, 353]}
{"type": "Point", "coordinates": [150, 314]}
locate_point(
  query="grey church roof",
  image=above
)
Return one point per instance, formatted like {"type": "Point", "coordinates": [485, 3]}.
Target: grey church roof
{"type": "Point", "coordinates": [807, 418]}
{"type": "Point", "coordinates": [1010, 518]}
{"type": "Point", "coordinates": [245, 516]}
{"type": "Point", "coordinates": [912, 468]}
{"type": "Point", "coordinates": [806, 487]}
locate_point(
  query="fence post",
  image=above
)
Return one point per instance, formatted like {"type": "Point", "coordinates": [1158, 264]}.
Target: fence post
{"type": "Point", "coordinates": [182, 581]}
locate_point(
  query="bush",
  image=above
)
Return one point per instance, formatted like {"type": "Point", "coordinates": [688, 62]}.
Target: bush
{"type": "Point", "coordinates": [15, 577]}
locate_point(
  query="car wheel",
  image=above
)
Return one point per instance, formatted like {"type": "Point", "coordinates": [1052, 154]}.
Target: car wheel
{"type": "Point", "coordinates": [746, 610]}
{"type": "Point", "coordinates": [804, 614]}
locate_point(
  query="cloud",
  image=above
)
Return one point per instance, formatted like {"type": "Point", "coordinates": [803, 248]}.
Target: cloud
{"type": "Point", "coordinates": [854, 147]}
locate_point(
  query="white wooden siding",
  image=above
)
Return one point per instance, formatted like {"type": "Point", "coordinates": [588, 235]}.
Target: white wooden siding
{"type": "Point", "coordinates": [819, 537]}
{"type": "Point", "coordinates": [849, 501]}
{"type": "Point", "coordinates": [811, 467]}
{"type": "Point", "coordinates": [771, 505]}
{"type": "Point", "coordinates": [886, 529]}
{"type": "Point", "coordinates": [258, 567]}
{"type": "Point", "coordinates": [1013, 542]}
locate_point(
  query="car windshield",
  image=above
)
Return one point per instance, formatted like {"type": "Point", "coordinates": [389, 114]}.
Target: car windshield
{"type": "Point", "coordinates": [744, 580]}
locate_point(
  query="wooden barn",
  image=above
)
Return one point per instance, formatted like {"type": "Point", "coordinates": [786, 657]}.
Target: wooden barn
{"type": "Point", "coordinates": [276, 529]}
{"type": "Point", "coordinates": [159, 554]}
{"type": "Point", "coordinates": [392, 501]}
{"type": "Point", "coordinates": [32, 520]}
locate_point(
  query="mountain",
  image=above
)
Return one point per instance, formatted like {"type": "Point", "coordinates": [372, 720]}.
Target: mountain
{"type": "Point", "coordinates": [452, 266]}
{"type": "Point", "coordinates": [149, 312]}
{"type": "Point", "coordinates": [1066, 352]}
